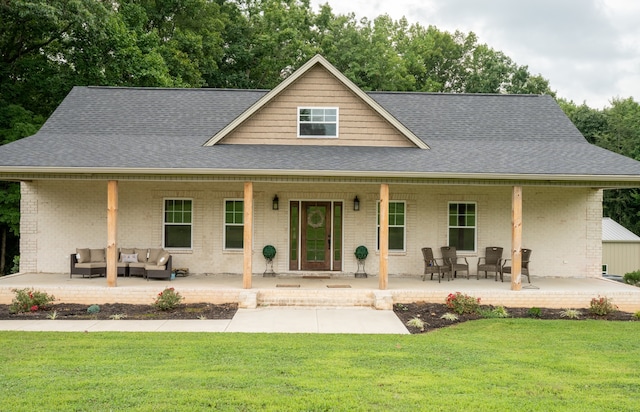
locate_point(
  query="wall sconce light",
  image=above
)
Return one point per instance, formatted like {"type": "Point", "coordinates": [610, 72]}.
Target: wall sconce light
{"type": "Point", "coordinates": [356, 204]}
{"type": "Point", "coordinates": [275, 203]}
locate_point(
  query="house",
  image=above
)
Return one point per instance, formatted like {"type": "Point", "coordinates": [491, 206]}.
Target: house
{"type": "Point", "coordinates": [620, 249]}
{"type": "Point", "coordinates": [315, 167]}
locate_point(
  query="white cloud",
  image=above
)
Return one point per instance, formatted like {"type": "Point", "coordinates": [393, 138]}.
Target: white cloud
{"type": "Point", "coordinates": [588, 49]}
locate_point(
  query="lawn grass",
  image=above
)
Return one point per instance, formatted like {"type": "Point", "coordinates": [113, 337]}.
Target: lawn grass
{"type": "Point", "coordinates": [491, 364]}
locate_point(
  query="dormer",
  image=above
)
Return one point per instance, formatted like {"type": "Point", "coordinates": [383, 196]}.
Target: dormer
{"type": "Point", "coordinates": [317, 105]}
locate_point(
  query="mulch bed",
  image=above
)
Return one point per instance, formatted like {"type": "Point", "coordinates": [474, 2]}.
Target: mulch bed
{"type": "Point", "coordinates": [110, 310]}
{"type": "Point", "coordinates": [430, 314]}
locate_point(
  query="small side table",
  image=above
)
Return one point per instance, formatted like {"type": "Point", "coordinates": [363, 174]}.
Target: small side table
{"type": "Point", "coordinates": [181, 272]}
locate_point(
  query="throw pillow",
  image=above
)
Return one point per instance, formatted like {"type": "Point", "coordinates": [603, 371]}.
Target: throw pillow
{"type": "Point", "coordinates": [142, 255]}
{"type": "Point", "coordinates": [98, 255]}
{"type": "Point", "coordinates": [163, 258]}
{"type": "Point", "coordinates": [83, 255]}
{"type": "Point", "coordinates": [129, 257]}
{"type": "Point", "coordinates": [154, 254]}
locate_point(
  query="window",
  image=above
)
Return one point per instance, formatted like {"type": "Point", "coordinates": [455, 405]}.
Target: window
{"type": "Point", "coordinates": [233, 224]}
{"type": "Point", "coordinates": [178, 223]}
{"type": "Point", "coordinates": [318, 122]}
{"type": "Point", "coordinates": [397, 221]}
{"type": "Point", "coordinates": [462, 226]}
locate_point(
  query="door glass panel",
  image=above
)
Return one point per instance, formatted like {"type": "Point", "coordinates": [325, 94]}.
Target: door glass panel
{"type": "Point", "coordinates": [293, 236]}
{"type": "Point", "coordinates": [316, 233]}
{"type": "Point", "coordinates": [337, 232]}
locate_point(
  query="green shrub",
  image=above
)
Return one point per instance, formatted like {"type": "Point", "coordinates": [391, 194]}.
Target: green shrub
{"type": "Point", "coordinates": [602, 306]}
{"type": "Point", "coordinates": [497, 312]}
{"type": "Point", "coordinates": [167, 299]}
{"type": "Point", "coordinates": [534, 312]}
{"type": "Point", "coordinates": [269, 252]}
{"type": "Point", "coordinates": [460, 303]}
{"type": "Point", "coordinates": [636, 315]}
{"type": "Point", "coordinates": [361, 252]}
{"type": "Point", "coordinates": [93, 309]}
{"type": "Point", "coordinates": [29, 300]}
{"type": "Point", "coordinates": [401, 307]}
{"type": "Point", "coordinates": [571, 314]}
{"type": "Point", "coordinates": [632, 278]}
{"type": "Point", "coordinates": [416, 323]}
{"type": "Point", "coordinates": [16, 265]}
{"type": "Point", "coordinates": [449, 316]}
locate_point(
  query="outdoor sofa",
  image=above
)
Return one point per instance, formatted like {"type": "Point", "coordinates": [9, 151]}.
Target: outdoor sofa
{"type": "Point", "coordinates": [88, 262]}
{"type": "Point", "coordinates": [148, 263]}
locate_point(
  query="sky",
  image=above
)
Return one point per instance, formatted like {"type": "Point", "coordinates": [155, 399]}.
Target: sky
{"type": "Point", "coordinates": [589, 50]}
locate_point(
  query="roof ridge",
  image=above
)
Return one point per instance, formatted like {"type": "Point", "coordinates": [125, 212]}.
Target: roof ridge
{"type": "Point", "coordinates": [193, 89]}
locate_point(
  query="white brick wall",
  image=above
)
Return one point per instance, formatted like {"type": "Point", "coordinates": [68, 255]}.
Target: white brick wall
{"type": "Point", "coordinates": [560, 225]}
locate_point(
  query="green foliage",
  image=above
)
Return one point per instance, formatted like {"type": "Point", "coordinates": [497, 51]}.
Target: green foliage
{"type": "Point", "coordinates": [616, 128]}
{"type": "Point", "coordinates": [361, 252]}
{"type": "Point", "coordinates": [449, 316]}
{"type": "Point", "coordinates": [93, 309]}
{"type": "Point", "coordinates": [30, 300]}
{"type": "Point", "coordinates": [461, 303]}
{"type": "Point", "coordinates": [534, 312]}
{"type": "Point", "coordinates": [269, 252]}
{"type": "Point", "coordinates": [401, 307]}
{"type": "Point", "coordinates": [496, 312]}
{"type": "Point", "coordinates": [416, 323]}
{"type": "Point", "coordinates": [632, 278]}
{"type": "Point", "coordinates": [602, 306]}
{"type": "Point", "coordinates": [636, 315]}
{"type": "Point", "coordinates": [318, 372]}
{"type": "Point", "coordinates": [167, 299]}
{"type": "Point", "coordinates": [16, 265]}
{"type": "Point", "coordinates": [571, 314]}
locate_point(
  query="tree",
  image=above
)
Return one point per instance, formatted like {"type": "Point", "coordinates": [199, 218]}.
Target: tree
{"type": "Point", "coordinates": [264, 41]}
{"type": "Point", "coordinates": [592, 123]}
{"type": "Point", "coordinates": [616, 128]}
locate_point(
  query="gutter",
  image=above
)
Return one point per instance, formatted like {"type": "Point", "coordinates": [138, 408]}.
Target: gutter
{"type": "Point", "coordinates": [24, 172]}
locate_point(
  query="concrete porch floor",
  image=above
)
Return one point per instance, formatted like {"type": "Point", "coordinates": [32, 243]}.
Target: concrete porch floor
{"type": "Point", "coordinates": [319, 291]}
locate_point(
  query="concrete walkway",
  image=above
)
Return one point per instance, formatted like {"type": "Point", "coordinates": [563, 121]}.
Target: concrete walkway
{"type": "Point", "coordinates": [261, 320]}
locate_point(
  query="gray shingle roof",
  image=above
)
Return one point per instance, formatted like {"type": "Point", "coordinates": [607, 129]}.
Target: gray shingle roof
{"type": "Point", "coordinates": [146, 128]}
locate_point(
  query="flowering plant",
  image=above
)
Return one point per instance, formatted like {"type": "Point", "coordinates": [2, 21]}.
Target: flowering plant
{"type": "Point", "coordinates": [460, 303]}
{"type": "Point", "coordinates": [602, 306]}
{"type": "Point", "coordinates": [29, 300]}
{"type": "Point", "coordinates": [167, 299]}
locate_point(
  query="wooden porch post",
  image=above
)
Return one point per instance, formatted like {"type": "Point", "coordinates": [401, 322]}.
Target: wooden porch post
{"type": "Point", "coordinates": [112, 233]}
{"type": "Point", "coordinates": [248, 235]}
{"type": "Point", "coordinates": [384, 235]}
{"type": "Point", "coordinates": [516, 238]}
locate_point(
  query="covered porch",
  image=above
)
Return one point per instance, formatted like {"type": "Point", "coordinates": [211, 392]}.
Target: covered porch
{"type": "Point", "coordinates": [326, 290]}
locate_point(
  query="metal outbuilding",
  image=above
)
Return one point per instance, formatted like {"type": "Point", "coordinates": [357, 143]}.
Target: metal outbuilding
{"type": "Point", "coordinates": [620, 249]}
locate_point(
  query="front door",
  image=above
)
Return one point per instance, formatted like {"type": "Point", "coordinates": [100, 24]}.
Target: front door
{"type": "Point", "coordinates": [315, 236]}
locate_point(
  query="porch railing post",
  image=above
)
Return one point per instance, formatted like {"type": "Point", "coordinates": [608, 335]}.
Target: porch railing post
{"type": "Point", "coordinates": [248, 235]}
{"type": "Point", "coordinates": [516, 238]}
{"type": "Point", "coordinates": [384, 235]}
{"type": "Point", "coordinates": [112, 233]}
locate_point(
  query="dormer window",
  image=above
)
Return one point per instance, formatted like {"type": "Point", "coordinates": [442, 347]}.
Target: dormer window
{"type": "Point", "coordinates": [317, 122]}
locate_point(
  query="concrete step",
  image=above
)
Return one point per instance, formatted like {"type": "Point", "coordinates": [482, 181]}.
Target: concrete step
{"type": "Point", "coordinates": [316, 298]}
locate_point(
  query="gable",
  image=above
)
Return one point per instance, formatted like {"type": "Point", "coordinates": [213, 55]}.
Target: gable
{"type": "Point", "coordinates": [321, 84]}
{"type": "Point", "coordinates": [277, 121]}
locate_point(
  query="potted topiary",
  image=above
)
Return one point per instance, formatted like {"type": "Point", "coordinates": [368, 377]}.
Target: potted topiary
{"type": "Point", "coordinates": [269, 252]}
{"type": "Point", "coordinates": [361, 254]}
